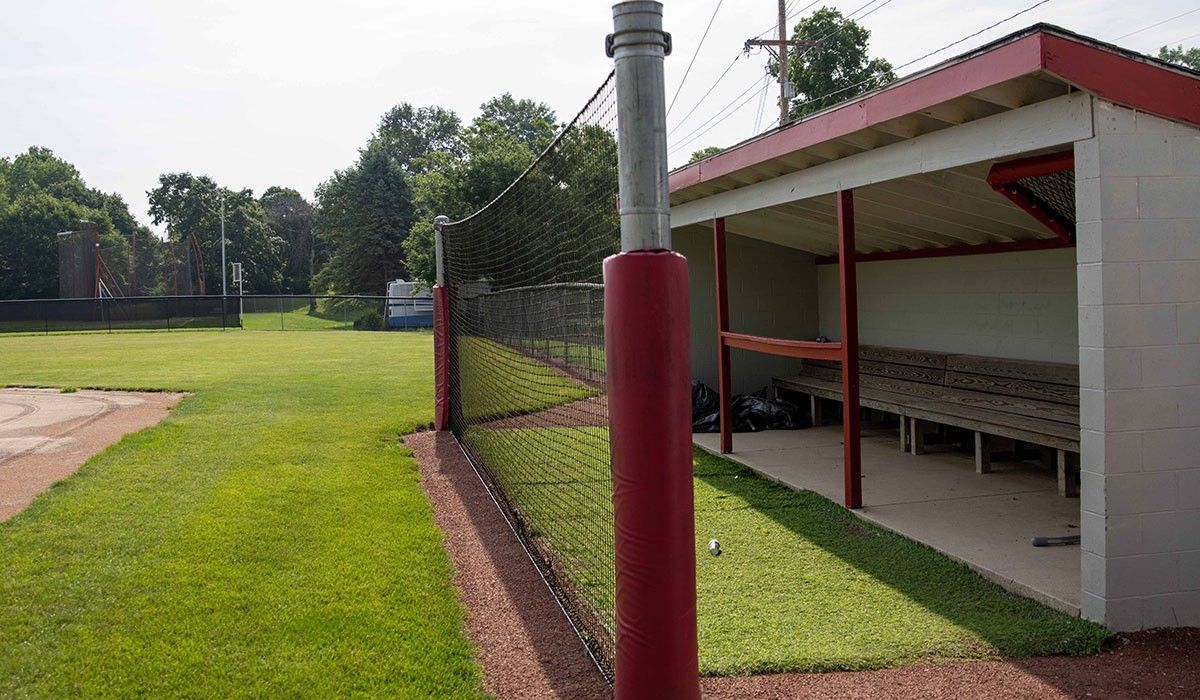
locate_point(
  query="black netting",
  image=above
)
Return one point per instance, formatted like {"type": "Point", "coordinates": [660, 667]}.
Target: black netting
{"type": "Point", "coordinates": [254, 313]}
{"type": "Point", "coordinates": [526, 346]}
{"type": "Point", "coordinates": [1054, 192]}
{"type": "Point", "coordinates": [91, 265]}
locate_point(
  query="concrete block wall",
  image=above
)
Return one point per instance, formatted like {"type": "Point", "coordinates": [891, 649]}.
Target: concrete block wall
{"type": "Point", "coordinates": [1014, 305]}
{"type": "Point", "coordinates": [772, 291]}
{"type": "Point", "coordinates": [1138, 207]}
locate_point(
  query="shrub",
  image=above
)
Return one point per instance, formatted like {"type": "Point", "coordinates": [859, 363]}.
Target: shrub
{"type": "Point", "coordinates": [369, 321]}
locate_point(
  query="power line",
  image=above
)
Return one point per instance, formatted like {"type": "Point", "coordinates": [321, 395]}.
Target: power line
{"type": "Point", "coordinates": [952, 44]}
{"type": "Point", "coordinates": [706, 94]}
{"type": "Point", "coordinates": [762, 102]}
{"type": "Point", "coordinates": [702, 130]}
{"type": "Point", "coordinates": [1178, 42]}
{"type": "Point", "coordinates": [931, 53]}
{"type": "Point", "coordinates": [720, 111]}
{"type": "Point", "coordinates": [1156, 24]}
{"type": "Point", "coordinates": [694, 55]}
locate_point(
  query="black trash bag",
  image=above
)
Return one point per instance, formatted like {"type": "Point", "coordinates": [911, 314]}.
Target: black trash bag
{"type": "Point", "coordinates": [704, 400]}
{"type": "Point", "coordinates": [751, 413]}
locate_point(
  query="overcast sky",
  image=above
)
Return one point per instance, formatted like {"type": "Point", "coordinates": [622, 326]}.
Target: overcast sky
{"type": "Point", "coordinates": [258, 93]}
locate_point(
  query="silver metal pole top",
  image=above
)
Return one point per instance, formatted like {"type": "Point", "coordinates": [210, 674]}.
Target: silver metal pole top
{"type": "Point", "coordinates": [439, 251]}
{"type": "Point", "coordinates": [638, 44]}
{"type": "Point", "coordinates": [638, 23]}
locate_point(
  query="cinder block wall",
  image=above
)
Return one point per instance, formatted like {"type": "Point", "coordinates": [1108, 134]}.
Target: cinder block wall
{"type": "Point", "coordinates": [1138, 202]}
{"type": "Point", "coordinates": [1015, 305]}
{"type": "Point", "coordinates": [772, 291]}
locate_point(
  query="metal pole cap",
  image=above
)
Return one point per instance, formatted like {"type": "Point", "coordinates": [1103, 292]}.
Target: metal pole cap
{"type": "Point", "coordinates": [637, 23]}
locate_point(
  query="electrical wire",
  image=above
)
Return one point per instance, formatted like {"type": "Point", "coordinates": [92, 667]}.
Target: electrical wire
{"type": "Point", "coordinates": [706, 94]}
{"type": "Point", "coordinates": [762, 101]}
{"type": "Point", "coordinates": [931, 53]}
{"type": "Point", "coordinates": [1156, 24]}
{"type": "Point", "coordinates": [711, 124]}
{"type": "Point", "coordinates": [689, 138]}
{"type": "Point", "coordinates": [694, 55]}
{"type": "Point", "coordinates": [1179, 42]}
{"type": "Point", "coordinates": [730, 66]}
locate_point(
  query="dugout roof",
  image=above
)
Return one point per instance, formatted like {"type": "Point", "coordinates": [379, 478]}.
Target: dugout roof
{"type": "Point", "coordinates": [919, 151]}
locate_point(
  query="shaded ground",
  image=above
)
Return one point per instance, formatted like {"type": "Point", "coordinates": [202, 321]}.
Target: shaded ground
{"type": "Point", "coordinates": [528, 650]}
{"type": "Point", "coordinates": [45, 434]}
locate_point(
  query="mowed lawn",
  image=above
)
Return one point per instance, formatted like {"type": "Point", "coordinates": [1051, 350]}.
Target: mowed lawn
{"type": "Point", "coordinates": [268, 539]}
{"type": "Point", "coordinates": [802, 584]}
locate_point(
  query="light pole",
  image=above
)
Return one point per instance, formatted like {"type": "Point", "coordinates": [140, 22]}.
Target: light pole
{"type": "Point", "coordinates": [223, 292]}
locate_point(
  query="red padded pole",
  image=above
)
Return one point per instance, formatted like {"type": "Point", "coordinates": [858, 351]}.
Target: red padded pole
{"type": "Point", "coordinates": [648, 356]}
{"type": "Point", "coordinates": [848, 284]}
{"type": "Point", "coordinates": [441, 358]}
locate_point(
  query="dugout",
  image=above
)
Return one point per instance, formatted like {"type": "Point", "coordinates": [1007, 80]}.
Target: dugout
{"type": "Point", "coordinates": [1011, 240]}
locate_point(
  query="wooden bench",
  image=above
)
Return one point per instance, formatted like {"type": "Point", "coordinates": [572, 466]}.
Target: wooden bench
{"type": "Point", "coordinates": [1034, 403]}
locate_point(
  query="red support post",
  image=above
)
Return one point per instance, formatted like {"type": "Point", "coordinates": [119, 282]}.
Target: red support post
{"type": "Point", "coordinates": [648, 355]}
{"type": "Point", "coordinates": [851, 429]}
{"type": "Point", "coordinates": [441, 358]}
{"type": "Point", "coordinates": [724, 378]}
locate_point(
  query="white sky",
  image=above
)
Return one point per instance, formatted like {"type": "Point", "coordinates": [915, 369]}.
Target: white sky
{"type": "Point", "coordinates": [263, 92]}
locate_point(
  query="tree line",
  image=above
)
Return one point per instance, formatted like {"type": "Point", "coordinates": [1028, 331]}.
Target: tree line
{"type": "Point", "coordinates": [367, 224]}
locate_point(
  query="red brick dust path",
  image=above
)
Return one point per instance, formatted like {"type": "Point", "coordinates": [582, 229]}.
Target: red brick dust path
{"type": "Point", "coordinates": [45, 434]}
{"type": "Point", "coordinates": [528, 650]}
{"type": "Point", "coordinates": [522, 640]}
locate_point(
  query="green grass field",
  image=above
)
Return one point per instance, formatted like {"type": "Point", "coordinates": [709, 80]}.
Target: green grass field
{"type": "Point", "coordinates": [803, 585]}
{"type": "Point", "coordinates": [268, 539]}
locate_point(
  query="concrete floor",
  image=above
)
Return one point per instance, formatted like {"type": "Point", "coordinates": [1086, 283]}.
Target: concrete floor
{"type": "Point", "coordinates": [982, 520]}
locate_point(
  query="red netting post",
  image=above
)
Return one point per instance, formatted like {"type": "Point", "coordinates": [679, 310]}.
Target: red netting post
{"type": "Point", "coordinates": [649, 385]}
{"type": "Point", "coordinates": [441, 333]}
{"type": "Point", "coordinates": [851, 414]}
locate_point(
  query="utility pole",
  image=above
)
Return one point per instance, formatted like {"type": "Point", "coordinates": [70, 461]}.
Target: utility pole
{"type": "Point", "coordinates": [779, 47]}
{"type": "Point", "coordinates": [223, 292]}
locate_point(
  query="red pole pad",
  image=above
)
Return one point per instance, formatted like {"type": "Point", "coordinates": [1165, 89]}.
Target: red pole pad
{"type": "Point", "coordinates": [441, 358]}
{"type": "Point", "coordinates": [648, 353]}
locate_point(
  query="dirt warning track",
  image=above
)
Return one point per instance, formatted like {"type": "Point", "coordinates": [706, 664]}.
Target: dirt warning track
{"type": "Point", "coordinates": [45, 435]}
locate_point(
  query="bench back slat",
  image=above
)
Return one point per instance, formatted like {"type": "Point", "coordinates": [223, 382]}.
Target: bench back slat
{"type": "Point", "coordinates": [1063, 394]}
{"type": "Point", "coordinates": [1028, 370]}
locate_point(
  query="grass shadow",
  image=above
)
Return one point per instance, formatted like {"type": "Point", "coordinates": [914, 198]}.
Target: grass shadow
{"type": "Point", "coordinates": [853, 595]}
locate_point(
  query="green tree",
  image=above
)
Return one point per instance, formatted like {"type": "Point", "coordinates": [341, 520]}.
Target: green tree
{"type": "Point", "coordinates": [364, 214]}
{"type": "Point", "coordinates": [292, 219]}
{"type": "Point", "coordinates": [1188, 59]}
{"type": "Point", "coordinates": [496, 149]}
{"type": "Point", "coordinates": [836, 67]}
{"type": "Point", "coordinates": [191, 205]}
{"type": "Point", "coordinates": [42, 195]}
{"type": "Point", "coordinates": [532, 123]}
{"type": "Point", "coordinates": [407, 133]}
{"type": "Point", "coordinates": [703, 153]}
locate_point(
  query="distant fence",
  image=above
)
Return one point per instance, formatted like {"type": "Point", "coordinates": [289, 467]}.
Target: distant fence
{"type": "Point", "coordinates": [256, 312]}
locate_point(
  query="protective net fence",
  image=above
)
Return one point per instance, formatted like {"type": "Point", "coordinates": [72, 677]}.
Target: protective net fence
{"type": "Point", "coordinates": [526, 354]}
{"type": "Point", "coordinates": [95, 265]}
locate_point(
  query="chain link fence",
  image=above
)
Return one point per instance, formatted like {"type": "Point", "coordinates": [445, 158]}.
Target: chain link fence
{"type": "Point", "coordinates": [177, 313]}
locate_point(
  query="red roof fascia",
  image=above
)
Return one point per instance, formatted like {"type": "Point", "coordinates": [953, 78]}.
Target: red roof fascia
{"type": "Point", "coordinates": [1124, 80]}
{"type": "Point", "coordinates": [1012, 60]}
{"type": "Point", "coordinates": [1115, 77]}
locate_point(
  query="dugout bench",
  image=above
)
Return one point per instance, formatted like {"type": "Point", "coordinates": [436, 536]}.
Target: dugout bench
{"type": "Point", "coordinates": [1019, 401]}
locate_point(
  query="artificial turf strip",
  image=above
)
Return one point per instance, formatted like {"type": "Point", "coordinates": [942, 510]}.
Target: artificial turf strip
{"type": "Point", "coordinates": [268, 539]}
{"type": "Point", "coordinates": [802, 584]}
